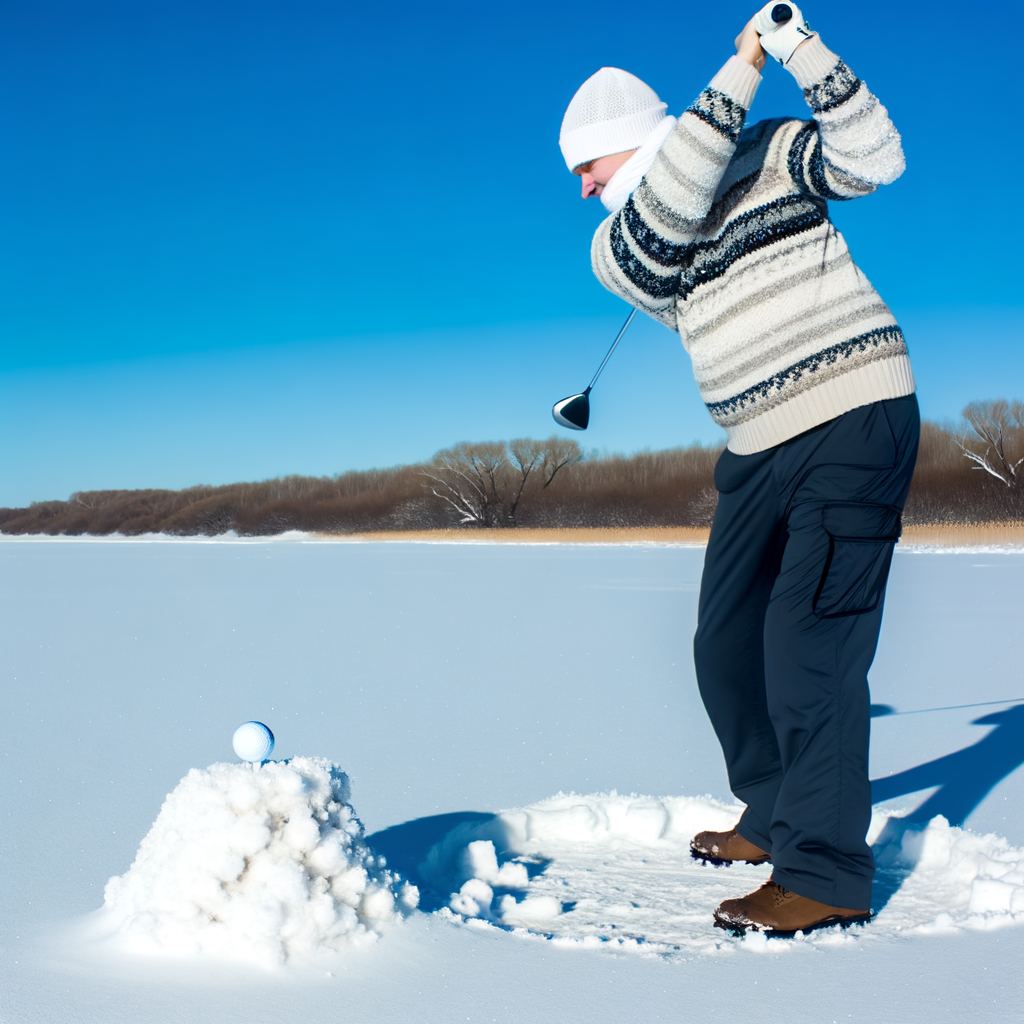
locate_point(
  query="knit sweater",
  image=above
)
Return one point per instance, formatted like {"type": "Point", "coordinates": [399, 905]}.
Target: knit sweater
{"type": "Point", "coordinates": [728, 241]}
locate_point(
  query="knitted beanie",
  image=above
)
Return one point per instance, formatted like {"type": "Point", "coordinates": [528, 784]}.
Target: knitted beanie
{"type": "Point", "coordinates": [611, 112]}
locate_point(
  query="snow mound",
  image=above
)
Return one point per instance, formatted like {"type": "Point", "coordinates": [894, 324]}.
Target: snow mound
{"type": "Point", "coordinates": [609, 869]}
{"type": "Point", "coordinates": [949, 878]}
{"type": "Point", "coordinates": [262, 865]}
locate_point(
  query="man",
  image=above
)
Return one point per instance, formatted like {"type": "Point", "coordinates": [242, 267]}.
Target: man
{"type": "Point", "coordinates": [722, 233]}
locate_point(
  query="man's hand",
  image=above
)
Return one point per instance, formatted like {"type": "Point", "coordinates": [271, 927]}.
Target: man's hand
{"type": "Point", "coordinates": [781, 39]}
{"type": "Point", "coordinates": [748, 46]}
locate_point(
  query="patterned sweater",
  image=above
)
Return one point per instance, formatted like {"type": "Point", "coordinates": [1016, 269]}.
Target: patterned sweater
{"type": "Point", "coordinates": [728, 241]}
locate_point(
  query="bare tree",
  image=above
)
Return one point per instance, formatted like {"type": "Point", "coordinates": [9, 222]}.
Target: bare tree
{"type": "Point", "coordinates": [469, 479]}
{"type": "Point", "coordinates": [992, 437]}
{"type": "Point", "coordinates": [486, 484]}
{"type": "Point", "coordinates": [559, 452]}
{"type": "Point", "coordinates": [524, 456]}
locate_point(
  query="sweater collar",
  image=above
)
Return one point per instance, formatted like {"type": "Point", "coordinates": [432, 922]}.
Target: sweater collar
{"type": "Point", "coordinates": [625, 180]}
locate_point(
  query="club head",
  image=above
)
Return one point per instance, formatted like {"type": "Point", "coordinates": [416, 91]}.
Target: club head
{"type": "Point", "coordinates": [573, 412]}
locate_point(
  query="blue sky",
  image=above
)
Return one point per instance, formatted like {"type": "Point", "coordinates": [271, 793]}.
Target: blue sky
{"type": "Point", "coordinates": [245, 239]}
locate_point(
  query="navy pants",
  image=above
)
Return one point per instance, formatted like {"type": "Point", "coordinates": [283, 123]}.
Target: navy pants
{"type": "Point", "coordinates": [789, 615]}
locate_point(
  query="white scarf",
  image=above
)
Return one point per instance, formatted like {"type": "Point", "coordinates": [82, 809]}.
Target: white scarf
{"type": "Point", "coordinates": [631, 173]}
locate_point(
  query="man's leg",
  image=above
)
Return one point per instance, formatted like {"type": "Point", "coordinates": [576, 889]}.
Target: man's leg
{"type": "Point", "coordinates": [821, 631]}
{"type": "Point", "coordinates": [740, 565]}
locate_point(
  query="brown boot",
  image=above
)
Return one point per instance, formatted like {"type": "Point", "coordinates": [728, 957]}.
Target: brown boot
{"type": "Point", "coordinates": [724, 847]}
{"type": "Point", "coordinates": [778, 911]}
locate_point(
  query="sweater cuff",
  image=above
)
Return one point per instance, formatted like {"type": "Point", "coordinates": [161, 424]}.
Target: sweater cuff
{"type": "Point", "coordinates": [738, 80]}
{"type": "Point", "coordinates": [812, 61]}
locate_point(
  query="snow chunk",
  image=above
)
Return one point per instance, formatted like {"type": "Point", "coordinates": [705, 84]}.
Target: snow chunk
{"type": "Point", "coordinates": [480, 861]}
{"type": "Point", "coordinates": [533, 912]}
{"type": "Point", "coordinates": [264, 866]}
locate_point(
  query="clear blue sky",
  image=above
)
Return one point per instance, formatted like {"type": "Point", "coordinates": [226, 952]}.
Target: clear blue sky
{"type": "Point", "coordinates": [245, 239]}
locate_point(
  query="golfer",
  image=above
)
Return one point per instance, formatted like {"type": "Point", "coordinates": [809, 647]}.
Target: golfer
{"type": "Point", "coordinates": [721, 232]}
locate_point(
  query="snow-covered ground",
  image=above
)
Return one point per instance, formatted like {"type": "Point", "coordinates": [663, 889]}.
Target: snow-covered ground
{"type": "Point", "coordinates": [523, 741]}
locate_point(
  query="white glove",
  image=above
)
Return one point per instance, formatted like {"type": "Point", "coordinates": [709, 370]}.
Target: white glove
{"type": "Point", "coordinates": [780, 38]}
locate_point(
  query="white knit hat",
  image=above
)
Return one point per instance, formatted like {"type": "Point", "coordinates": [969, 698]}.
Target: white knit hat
{"type": "Point", "coordinates": [611, 112]}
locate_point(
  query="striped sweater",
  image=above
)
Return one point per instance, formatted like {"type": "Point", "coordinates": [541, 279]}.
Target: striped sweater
{"type": "Point", "coordinates": [728, 241]}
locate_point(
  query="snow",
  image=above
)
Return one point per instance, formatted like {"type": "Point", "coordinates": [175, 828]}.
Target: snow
{"type": "Point", "coordinates": [450, 682]}
{"type": "Point", "coordinates": [616, 869]}
{"type": "Point", "coordinates": [262, 866]}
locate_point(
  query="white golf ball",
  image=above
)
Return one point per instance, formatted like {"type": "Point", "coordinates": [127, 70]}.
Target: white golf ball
{"type": "Point", "coordinates": [253, 741]}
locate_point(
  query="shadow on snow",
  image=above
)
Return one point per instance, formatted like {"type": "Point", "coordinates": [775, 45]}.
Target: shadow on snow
{"type": "Point", "coordinates": [963, 779]}
{"type": "Point", "coordinates": [430, 852]}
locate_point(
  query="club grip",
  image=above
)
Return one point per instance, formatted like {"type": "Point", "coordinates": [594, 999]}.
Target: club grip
{"type": "Point", "coordinates": [781, 13]}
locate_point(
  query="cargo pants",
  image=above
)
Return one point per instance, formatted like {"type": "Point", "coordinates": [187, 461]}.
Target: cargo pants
{"type": "Point", "coordinates": [789, 615]}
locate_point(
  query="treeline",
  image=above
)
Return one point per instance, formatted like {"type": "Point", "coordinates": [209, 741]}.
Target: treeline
{"type": "Point", "coordinates": [660, 488]}
{"type": "Point", "coordinates": [972, 472]}
{"type": "Point", "coordinates": [966, 474]}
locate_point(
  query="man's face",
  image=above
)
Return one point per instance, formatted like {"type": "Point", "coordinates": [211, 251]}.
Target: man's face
{"type": "Point", "coordinates": [597, 173]}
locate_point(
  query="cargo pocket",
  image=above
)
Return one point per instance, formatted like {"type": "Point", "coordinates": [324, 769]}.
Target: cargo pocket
{"type": "Point", "coordinates": [860, 542]}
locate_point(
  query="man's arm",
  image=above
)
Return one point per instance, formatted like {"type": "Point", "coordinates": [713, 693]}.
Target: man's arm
{"type": "Point", "coordinates": [636, 252]}
{"type": "Point", "coordinates": [851, 147]}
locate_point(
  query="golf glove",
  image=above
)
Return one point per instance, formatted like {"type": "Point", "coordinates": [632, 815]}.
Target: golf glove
{"type": "Point", "coordinates": [781, 38]}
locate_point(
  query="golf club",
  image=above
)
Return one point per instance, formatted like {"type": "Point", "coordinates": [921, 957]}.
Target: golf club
{"type": "Point", "coordinates": [574, 411]}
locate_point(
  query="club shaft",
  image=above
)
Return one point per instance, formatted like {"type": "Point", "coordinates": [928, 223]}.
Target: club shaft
{"type": "Point", "coordinates": [618, 338]}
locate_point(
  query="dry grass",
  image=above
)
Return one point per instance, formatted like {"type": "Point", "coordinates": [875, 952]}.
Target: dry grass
{"type": "Point", "coordinates": [534, 535]}
{"type": "Point", "coordinates": [981, 534]}
{"type": "Point", "coordinates": [995, 534]}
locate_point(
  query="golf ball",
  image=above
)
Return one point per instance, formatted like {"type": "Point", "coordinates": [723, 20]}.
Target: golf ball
{"type": "Point", "coordinates": [253, 741]}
